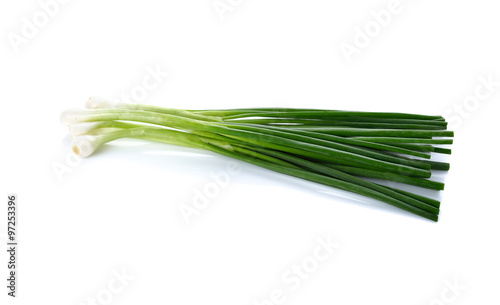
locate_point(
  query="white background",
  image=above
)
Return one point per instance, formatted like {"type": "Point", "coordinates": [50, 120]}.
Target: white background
{"type": "Point", "coordinates": [119, 209]}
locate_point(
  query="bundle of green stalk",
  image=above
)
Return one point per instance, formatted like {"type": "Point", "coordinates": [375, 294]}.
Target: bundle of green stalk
{"type": "Point", "coordinates": [340, 149]}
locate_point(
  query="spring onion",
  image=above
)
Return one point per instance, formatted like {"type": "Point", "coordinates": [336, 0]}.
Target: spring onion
{"type": "Point", "coordinates": [331, 147]}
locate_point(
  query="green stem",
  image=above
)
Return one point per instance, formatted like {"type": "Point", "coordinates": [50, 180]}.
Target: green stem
{"type": "Point", "coordinates": [433, 185]}
{"type": "Point", "coordinates": [404, 140]}
{"type": "Point", "coordinates": [363, 132]}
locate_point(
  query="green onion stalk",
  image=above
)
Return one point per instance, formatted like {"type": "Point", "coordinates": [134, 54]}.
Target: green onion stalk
{"type": "Point", "coordinates": [335, 148]}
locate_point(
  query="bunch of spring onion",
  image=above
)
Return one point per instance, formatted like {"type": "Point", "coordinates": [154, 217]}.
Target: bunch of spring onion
{"type": "Point", "coordinates": [331, 147]}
